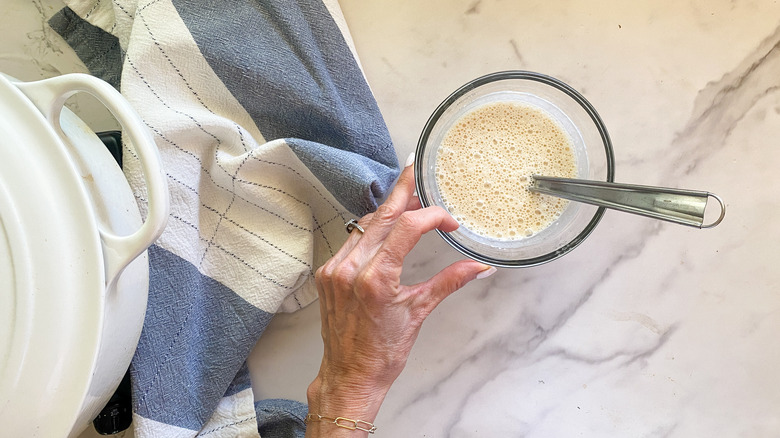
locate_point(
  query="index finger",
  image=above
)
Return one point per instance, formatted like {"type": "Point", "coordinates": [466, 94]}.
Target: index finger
{"type": "Point", "coordinates": [402, 193]}
{"type": "Point", "coordinates": [409, 229]}
{"type": "Point", "coordinates": [383, 219]}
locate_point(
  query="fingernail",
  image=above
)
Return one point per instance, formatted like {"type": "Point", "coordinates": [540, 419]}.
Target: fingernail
{"type": "Point", "coordinates": [409, 160]}
{"type": "Point", "coordinates": [486, 273]}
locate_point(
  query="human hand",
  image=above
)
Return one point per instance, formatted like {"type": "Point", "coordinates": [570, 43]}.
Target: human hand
{"type": "Point", "coordinates": [370, 321]}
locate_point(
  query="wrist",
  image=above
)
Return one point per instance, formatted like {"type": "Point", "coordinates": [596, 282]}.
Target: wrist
{"type": "Point", "coordinates": [335, 396]}
{"type": "Point", "coordinates": [331, 396]}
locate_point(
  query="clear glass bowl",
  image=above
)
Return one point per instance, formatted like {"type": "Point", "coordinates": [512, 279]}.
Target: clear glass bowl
{"type": "Point", "coordinates": [595, 161]}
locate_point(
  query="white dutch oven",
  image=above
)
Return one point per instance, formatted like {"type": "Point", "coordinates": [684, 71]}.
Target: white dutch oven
{"type": "Point", "coordinates": [73, 265]}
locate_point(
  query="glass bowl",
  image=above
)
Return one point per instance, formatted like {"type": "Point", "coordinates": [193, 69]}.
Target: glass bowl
{"type": "Point", "coordinates": [592, 147]}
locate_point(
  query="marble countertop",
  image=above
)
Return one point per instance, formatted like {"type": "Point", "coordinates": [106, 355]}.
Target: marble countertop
{"type": "Point", "coordinates": [647, 329]}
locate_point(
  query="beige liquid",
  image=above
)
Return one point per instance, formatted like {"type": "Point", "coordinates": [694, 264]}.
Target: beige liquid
{"type": "Point", "coordinates": [483, 166]}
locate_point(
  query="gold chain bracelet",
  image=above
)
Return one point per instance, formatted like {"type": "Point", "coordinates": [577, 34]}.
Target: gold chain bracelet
{"type": "Point", "coordinates": [346, 423]}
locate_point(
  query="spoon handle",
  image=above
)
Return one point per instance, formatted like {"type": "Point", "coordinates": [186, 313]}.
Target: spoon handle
{"type": "Point", "coordinates": [685, 207]}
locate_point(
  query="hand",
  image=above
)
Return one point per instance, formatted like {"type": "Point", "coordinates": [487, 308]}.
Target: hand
{"type": "Point", "coordinates": [369, 319]}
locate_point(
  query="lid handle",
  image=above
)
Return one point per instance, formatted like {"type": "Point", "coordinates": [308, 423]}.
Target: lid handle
{"type": "Point", "coordinates": [49, 96]}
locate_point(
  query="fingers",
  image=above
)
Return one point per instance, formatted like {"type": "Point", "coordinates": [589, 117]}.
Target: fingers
{"type": "Point", "coordinates": [414, 203]}
{"type": "Point", "coordinates": [383, 219]}
{"type": "Point", "coordinates": [362, 246]}
{"type": "Point", "coordinates": [350, 243]}
{"type": "Point", "coordinates": [409, 228]}
{"type": "Point", "coordinates": [448, 280]}
{"type": "Point", "coordinates": [394, 229]}
{"type": "Point", "coordinates": [396, 203]}
{"type": "Point", "coordinates": [404, 187]}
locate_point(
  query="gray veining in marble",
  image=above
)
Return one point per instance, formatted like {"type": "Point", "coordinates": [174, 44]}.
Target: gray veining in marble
{"type": "Point", "coordinates": [647, 329]}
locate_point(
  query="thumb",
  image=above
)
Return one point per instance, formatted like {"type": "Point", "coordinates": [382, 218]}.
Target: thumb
{"type": "Point", "coordinates": [450, 279]}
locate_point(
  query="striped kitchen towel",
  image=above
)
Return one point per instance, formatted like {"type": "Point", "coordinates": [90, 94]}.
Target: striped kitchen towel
{"type": "Point", "coordinates": [271, 140]}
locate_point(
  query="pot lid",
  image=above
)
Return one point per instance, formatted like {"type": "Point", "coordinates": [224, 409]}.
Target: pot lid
{"type": "Point", "coordinates": [51, 276]}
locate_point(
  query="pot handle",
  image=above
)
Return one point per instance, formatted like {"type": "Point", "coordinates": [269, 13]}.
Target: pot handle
{"type": "Point", "coordinates": [49, 96]}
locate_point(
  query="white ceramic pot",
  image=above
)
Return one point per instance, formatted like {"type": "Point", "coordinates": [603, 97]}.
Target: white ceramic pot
{"type": "Point", "coordinates": [74, 272]}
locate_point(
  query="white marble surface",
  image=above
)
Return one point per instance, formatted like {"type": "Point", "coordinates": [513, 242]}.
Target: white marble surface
{"type": "Point", "coordinates": [31, 51]}
{"type": "Point", "coordinates": [647, 329]}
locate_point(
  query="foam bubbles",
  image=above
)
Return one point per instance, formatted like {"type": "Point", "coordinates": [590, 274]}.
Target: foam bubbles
{"type": "Point", "coordinates": [484, 163]}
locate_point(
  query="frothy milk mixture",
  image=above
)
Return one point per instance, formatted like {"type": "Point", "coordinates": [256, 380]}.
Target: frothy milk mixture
{"type": "Point", "coordinates": [484, 162]}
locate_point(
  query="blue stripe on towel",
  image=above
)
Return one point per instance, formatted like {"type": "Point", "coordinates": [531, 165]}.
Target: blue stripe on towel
{"type": "Point", "coordinates": [185, 310]}
{"type": "Point", "coordinates": [98, 49]}
{"type": "Point", "coordinates": [241, 382]}
{"type": "Point", "coordinates": [297, 78]}
{"type": "Point", "coordinates": [353, 184]}
{"type": "Point", "coordinates": [281, 418]}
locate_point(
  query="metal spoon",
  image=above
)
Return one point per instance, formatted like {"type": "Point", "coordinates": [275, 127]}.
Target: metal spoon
{"type": "Point", "coordinates": [685, 207]}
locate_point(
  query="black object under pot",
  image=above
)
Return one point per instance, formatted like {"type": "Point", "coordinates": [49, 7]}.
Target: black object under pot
{"type": "Point", "coordinates": [117, 415]}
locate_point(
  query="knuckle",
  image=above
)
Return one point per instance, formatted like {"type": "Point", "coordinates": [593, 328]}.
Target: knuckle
{"type": "Point", "coordinates": [367, 279]}
{"type": "Point", "coordinates": [385, 213]}
{"type": "Point", "coordinates": [342, 277]}
{"type": "Point", "coordinates": [324, 272]}
{"type": "Point", "coordinates": [408, 220]}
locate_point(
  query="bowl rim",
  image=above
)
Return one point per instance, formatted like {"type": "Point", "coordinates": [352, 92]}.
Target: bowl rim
{"type": "Point", "coordinates": [513, 75]}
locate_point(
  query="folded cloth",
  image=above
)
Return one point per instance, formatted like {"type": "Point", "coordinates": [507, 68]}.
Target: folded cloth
{"type": "Point", "coordinates": [271, 140]}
